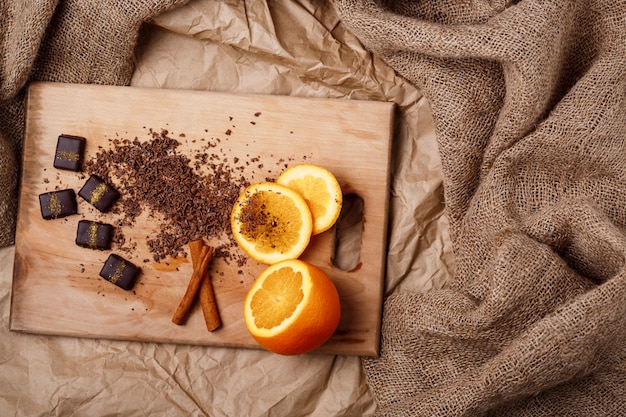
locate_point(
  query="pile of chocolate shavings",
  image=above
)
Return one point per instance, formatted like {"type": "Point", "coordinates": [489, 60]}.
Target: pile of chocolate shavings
{"type": "Point", "coordinates": [187, 204]}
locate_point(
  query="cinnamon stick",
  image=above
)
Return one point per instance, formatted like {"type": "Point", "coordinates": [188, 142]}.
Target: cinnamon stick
{"type": "Point", "coordinates": [206, 296]}
{"type": "Point", "coordinates": [180, 315]}
{"type": "Point", "coordinates": [195, 249]}
{"type": "Point", "coordinates": [209, 305]}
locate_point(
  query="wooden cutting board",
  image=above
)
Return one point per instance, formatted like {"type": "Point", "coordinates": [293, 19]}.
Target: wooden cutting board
{"type": "Point", "coordinates": [57, 289]}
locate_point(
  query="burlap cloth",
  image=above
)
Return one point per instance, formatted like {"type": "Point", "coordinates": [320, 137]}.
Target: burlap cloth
{"type": "Point", "coordinates": [528, 104]}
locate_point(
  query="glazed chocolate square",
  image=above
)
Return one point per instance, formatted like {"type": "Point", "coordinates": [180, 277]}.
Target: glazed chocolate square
{"type": "Point", "coordinates": [69, 153]}
{"type": "Point", "coordinates": [57, 204]}
{"type": "Point", "coordinates": [99, 194]}
{"type": "Point", "coordinates": [120, 272]}
{"type": "Point", "coordinates": [94, 235]}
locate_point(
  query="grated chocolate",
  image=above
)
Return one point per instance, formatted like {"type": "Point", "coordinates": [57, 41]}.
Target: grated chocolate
{"type": "Point", "coordinates": [186, 202]}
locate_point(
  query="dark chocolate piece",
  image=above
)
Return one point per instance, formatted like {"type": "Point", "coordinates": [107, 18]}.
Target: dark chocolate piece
{"type": "Point", "coordinates": [120, 272]}
{"type": "Point", "coordinates": [94, 235]}
{"type": "Point", "coordinates": [57, 204]}
{"type": "Point", "coordinates": [99, 194]}
{"type": "Point", "coordinates": [69, 153]}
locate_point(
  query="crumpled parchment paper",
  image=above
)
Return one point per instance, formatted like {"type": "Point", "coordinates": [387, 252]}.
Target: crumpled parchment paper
{"type": "Point", "coordinates": [286, 47]}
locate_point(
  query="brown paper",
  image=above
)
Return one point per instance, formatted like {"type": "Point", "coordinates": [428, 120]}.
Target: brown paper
{"type": "Point", "coordinates": [290, 48]}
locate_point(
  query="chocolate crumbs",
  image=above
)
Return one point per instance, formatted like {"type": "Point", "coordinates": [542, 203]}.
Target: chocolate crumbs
{"type": "Point", "coordinates": [186, 203]}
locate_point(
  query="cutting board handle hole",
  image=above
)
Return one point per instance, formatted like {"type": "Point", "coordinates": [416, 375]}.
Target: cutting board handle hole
{"type": "Point", "coordinates": [349, 234]}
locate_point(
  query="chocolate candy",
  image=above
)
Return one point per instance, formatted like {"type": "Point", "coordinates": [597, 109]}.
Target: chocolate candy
{"type": "Point", "coordinates": [57, 204]}
{"type": "Point", "coordinates": [94, 235]}
{"type": "Point", "coordinates": [120, 272]}
{"type": "Point", "coordinates": [69, 153]}
{"type": "Point", "coordinates": [99, 194]}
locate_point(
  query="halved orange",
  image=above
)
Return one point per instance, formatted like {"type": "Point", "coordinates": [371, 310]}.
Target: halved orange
{"type": "Point", "coordinates": [320, 190]}
{"type": "Point", "coordinates": [293, 307]}
{"type": "Point", "coordinates": [271, 222]}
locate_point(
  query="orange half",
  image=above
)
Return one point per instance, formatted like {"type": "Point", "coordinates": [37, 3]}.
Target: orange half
{"type": "Point", "coordinates": [293, 307]}
{"type": "Point", "coordinates": [271, 222]}
{"type": "Point", "coordinates": [319, 188]}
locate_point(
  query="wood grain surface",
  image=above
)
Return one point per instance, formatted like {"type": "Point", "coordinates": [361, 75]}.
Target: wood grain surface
{"type": "Point", "coordinates": [57, 289]}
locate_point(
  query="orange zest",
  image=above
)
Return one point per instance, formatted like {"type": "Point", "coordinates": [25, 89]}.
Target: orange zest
{"type": "Point", "coordinates": [271, 222]}
{"type": "Point", "coordinates": [292, 308]}
{"type": "Point", "coordinates": [319, 188]}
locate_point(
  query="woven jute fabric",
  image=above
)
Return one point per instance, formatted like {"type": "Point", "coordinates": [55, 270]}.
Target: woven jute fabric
{"type": "Point", "coordinates": [72, 41]}
{"type": "Point", "coordinates": [529, 103]}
